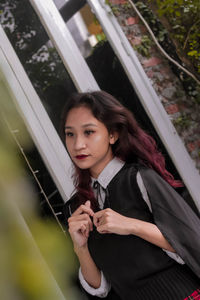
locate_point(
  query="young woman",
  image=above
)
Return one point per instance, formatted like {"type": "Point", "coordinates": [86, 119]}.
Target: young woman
{"type": "Point", "coordinates": [129, 227]}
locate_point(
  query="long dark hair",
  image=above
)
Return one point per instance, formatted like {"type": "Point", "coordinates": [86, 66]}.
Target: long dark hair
{"type": "Point", "coordinates": [133, 144]}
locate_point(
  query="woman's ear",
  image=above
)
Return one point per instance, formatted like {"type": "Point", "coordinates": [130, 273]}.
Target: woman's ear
{"type": "Point", "coordinates": [114, 137]}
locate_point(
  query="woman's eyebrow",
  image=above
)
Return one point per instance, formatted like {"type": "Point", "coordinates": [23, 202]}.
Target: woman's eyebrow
{"type": "Point", "coordinates": [89, 124]}
{"type": "Point", "coordinates": [85, 125]}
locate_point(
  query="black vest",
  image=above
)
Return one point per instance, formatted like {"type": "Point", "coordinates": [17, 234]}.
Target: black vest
{"type": "Point", "coordinates": [137, 269]}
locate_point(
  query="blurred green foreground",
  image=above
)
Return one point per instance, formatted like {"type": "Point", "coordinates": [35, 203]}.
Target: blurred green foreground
{"type": "Point", "coordinates": [25, 271]}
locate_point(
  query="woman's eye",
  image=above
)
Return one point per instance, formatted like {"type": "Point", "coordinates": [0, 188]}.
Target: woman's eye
{"type": "Point", "coordinates": [69, 134]}
{"type": "Point", "coordinates": [89, 132]}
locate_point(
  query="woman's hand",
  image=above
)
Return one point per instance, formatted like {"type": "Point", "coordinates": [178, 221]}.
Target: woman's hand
{"type": "Point", "coordinates": [80, 225]}
{"type": "Point", "coordinates": [109, 221]}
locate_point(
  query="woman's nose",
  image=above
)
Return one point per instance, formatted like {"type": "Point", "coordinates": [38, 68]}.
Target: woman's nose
{"type": "Point", "coordinates": [79, 143]}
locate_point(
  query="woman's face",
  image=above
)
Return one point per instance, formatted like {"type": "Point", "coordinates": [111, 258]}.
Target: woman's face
{"type": "Point", "coordinates": [88, 140]}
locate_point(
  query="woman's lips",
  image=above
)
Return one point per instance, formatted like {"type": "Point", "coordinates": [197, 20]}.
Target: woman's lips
{"type": "Point", "coordinates": [81, 156]}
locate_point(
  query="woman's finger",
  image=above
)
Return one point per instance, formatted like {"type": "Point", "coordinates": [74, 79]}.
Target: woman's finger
{"type": "Point", "coordinates": [104, 229]}
{"type": "Point", "coordinates": [83, 209]}
{"type": "Point", "coordinates": [78, 226]}
{"type": "Point", "coordinates": [101, 215]}
{"type": "Point", "coordinates": [82, 217]}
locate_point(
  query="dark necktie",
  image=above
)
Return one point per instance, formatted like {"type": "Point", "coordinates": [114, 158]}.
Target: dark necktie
{"type": "Point", "coordinates": [98, 187]}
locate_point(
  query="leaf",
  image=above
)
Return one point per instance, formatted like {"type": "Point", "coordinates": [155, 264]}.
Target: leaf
{"type": "Point", "coordinates": [192, 53]}
{"type": "Point", "coordinates": [177, 13]}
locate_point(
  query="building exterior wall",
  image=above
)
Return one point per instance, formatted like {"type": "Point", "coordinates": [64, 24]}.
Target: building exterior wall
{"type": "Point", "coordinates": [181, 108]}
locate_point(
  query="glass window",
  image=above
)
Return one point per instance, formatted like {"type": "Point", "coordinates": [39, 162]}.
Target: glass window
{"type": "Point", "coordinates": [38, 55]}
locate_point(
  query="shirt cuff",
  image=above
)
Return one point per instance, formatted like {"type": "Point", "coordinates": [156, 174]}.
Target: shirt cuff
{"type": "Point", "coordinates": [175, 257]}
{"type": "Point", "coordinates": [100, 292]}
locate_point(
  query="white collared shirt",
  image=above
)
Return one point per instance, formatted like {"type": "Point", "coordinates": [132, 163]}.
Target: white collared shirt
{"type": "Point", "coordinates": [105, 177]}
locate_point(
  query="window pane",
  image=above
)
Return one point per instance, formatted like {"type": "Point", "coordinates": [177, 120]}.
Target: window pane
{"type": "Point", "coordinates": [37, 55]}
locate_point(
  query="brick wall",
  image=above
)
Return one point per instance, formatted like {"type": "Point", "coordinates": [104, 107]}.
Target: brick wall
{"type": "Point", "coordinates": [182, 110]}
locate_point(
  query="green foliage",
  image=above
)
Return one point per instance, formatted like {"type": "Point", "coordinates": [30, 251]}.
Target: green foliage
{"type": "Point", "coordinates": [183, 121]}
{"type": "Point", "coordinates": [144, 47]}
{"type": "Point", "coordinates": [126, 5]}
{"type": "Point", "coordinates": [184, 16]}
{"type": "Point", "coordinates": [115, 9]}
{"type": "Point", "coordinates": [101, 37]}
{"type": "Point", "coordinates": [189, 41]}
{"type": "Point", "coordinates": [158, 29]}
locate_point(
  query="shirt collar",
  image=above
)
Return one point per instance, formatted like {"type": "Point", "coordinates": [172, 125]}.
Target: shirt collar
{"type": "Point", "coordinates": [111, 169]}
